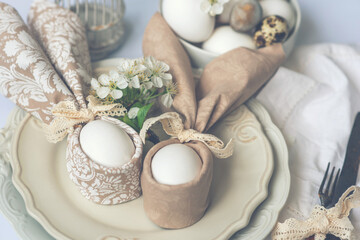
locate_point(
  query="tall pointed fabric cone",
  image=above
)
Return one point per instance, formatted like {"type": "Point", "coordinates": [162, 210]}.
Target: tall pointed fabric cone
{"type": "Point", "coordinates": [231, 79]}
{"type": "Point", "coordinates": [26, 75]}
{"type": "Point", "coordinates": [187, 202]}
{"type": "Point", "coordinates": [57, 96]}
{"type": "Point", "coordinates": [160, 41]}
{"type": "Point", "coordinates": [227, 82]}
{"type": "Point", "coordinates": [63, 37]}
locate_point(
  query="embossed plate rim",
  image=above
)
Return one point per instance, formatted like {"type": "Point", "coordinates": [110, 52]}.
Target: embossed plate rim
{"type": "Point", "coordinates": [29, 229]}
{"type": "Point", "coordinates": [255, 106]}
{"type": "Point", "coordinates": [60, 231]}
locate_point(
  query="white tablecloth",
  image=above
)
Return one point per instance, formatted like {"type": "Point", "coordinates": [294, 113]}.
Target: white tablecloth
{"type": "Point", "coordinates": [313, 99]}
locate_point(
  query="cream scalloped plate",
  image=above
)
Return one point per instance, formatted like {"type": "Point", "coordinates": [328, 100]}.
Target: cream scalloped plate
{"type": "Point", "coordinates": [239, 186]}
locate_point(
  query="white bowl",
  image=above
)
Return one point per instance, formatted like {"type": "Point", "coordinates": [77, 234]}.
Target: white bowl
{"type": "Point", "coordinates": [200, 57]}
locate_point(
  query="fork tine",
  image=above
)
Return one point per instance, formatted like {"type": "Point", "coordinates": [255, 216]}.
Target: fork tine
{"type": "Point", "coordinates": [334, 184]}
{"type": "Point", "coordinates": [324, 179]}
{"type": "Point", "coordinates": [329, 181]}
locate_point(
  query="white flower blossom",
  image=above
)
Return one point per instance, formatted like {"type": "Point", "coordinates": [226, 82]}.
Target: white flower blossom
{"type": "Point", "coordinates": [106, 86]}
{"type": "Point", "coordinates": [104, 80]}
{"type": "Point", "coordinates": [131, 67]}
{"type": "Point", "coordinates": [157, 81]}
{"type": "Point", "coordinates": [213, 7]}
{"type": "Point", "coordinates": [158, 71]}
{"type": "Point", "coordinates": [125, 65]}
{"type": "Point", "coordinates": [167, 100]}
{"type": "Point", "coordinates": [142, 81]}
{"type": "Point", "coordinates": [116, 94]}
{"type": "Point", "coordinates": [95, 84]}
{"type": "Point", "coordinates": [148, 85]}
{"type": "Point", "coordinates": [133, 112]}
{"type": "Point", "coordinates": [119, 79]}
{"type": "Point", "coordinates": [134, 82]}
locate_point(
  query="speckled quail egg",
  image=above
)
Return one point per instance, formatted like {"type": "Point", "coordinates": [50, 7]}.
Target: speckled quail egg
{"type": "Point", "coordinates": [283, 9]}
{"type": "Point", "coordinates": [272, 29]}
{"type": "Point", "coordinates": [245, 15]}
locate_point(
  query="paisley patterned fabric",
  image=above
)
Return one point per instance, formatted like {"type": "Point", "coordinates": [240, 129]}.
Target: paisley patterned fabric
{"type": "Point", "coordinates": [101, 184]}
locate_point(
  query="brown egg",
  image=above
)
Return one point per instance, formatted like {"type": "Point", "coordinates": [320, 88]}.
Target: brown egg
{"type": "Point", "coordinates": [272, 29]}
{"type": "Point", "coordinates": [245, 15]}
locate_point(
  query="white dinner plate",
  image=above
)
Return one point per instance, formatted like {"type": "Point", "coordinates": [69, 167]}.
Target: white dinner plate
{"type": "Point", "coordinates": [240, 185]}
{"type": "Point", "coordinates": [262, 221]}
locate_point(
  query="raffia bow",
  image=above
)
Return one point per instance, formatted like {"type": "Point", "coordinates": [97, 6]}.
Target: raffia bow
{"type": "Point", "coordinates": [322, 221]}
{"type": "Point", "coordinates": [67, 116]}
{"type": "Point", "coordinates": [174, 127]}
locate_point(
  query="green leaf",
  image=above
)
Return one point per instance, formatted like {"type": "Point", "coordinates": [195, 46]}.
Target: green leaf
{"type": "Point", "coordinates": [137, 104]}
{"type": "Point", "coordinates": [141, 116]}
{"type": "Point", "coordinates": [131, 122]}
{"type": "Point", "coordinates": [125, 92]}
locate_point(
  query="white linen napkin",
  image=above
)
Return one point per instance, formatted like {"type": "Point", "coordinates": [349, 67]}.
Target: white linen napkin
{"type": "Point", "coordinates": [313, 99]}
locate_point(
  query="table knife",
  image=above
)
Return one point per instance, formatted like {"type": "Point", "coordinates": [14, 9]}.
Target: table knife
{"type": "Point", "coordinates": [350, 166]}
{"type": "Point", "coordinates": [349, 170]}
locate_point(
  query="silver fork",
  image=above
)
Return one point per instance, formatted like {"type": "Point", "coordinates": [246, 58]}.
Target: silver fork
{"type": "Point", "coordinates": [326, 195]}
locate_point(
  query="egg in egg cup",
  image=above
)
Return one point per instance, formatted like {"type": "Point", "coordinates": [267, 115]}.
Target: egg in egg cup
{"type": "Point", "coordinates": [182, 205]}
{"type": "Point", "coordinates": [98, 183]}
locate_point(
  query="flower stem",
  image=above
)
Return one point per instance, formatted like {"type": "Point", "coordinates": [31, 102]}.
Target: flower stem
{"type": "Point", "coordinates": [152, 137]}
{"type": "Point", "coordinates": [154, 96]}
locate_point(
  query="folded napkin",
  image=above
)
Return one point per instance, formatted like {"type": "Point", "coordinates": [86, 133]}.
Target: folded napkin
{"type": "Point", "coordinates": [231, 79]}
{"type": "Point", "coordinates": [159, 41]}
{"type": "Point", "coordinates": [63, 37]}
{"type": "Point", "coordinates": [54, 90]}
{"type": "Point", "coordinates": [227, 81]}
{"type": "Point", "coordinates": [26, 74]}
{"type": "Point", "coordinates": [314, 99]}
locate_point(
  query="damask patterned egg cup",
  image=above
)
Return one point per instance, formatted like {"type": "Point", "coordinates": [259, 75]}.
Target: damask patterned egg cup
{"type": "Point", "coordinates": [100, 184]}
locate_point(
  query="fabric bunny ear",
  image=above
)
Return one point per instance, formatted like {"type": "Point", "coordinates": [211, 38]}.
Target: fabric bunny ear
{"type": "Point", "coordinates": [160, 42]}
{"type": "Point", "coordinates": [26, 75]}
{"type": "Point", "coordinates": [232, 78]}
{"type": "Point", "coordinates": [63, 38]}
{"type": "Point", "coordinates": [226, 82]}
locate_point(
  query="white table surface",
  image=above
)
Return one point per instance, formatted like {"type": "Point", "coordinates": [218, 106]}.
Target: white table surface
{"type": "Point", "coordinates": [322, 21]}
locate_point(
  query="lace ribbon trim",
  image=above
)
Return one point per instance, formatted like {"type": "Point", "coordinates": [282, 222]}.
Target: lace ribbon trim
{"type": "Point", "coordinates": [174, 127]}
{"type": "Point", "coordinates": [322, 221]}
{"type": "Point", "coordinates": [67, 116]}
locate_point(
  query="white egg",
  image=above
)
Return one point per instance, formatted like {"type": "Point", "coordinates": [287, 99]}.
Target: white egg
{"type": "Point", "coordinates": [281, 8]}
{"type": "Point", "coordinates": [175, 164]}
{"type": "Point", "coordinates": [106, 143]}
{"type": "Point", "coordinates": [187, 19]}
{"type": "Point", "coordinates": [224, 17]}
{"type": "Point", "coordinates": [225, 39]}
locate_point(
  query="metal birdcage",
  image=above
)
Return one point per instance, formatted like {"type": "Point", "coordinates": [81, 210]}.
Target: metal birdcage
{"type": "Point", "coordinates": [104, 23]}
